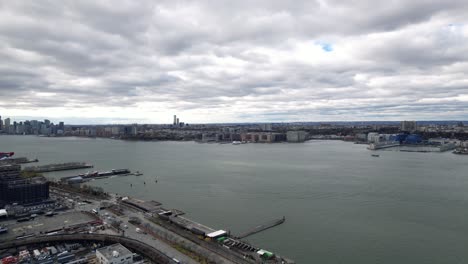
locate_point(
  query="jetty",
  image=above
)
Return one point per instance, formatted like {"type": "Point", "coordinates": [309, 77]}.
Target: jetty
{"type": "Point", "coordinates": [262, 227]}
{"type": "Point", "coordinates": [59, 167]}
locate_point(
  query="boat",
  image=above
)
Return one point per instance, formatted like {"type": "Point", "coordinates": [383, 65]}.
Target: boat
{"type": "Point", "coordinates": [236, 142]}
{"type": "Point", "coordinates": [6, 155]}
{"type": "Point", "coordinates": [3, 230]}
{"type": "Point", "coordinates": [461, 152]}
{"type": "Point", "coordinates": [375, 155]}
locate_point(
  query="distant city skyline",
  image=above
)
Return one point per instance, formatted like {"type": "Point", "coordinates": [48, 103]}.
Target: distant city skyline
{"type": "Point", "coordinates": [230, 62]}
{"type": "Point", "coordinates": [170, 120]}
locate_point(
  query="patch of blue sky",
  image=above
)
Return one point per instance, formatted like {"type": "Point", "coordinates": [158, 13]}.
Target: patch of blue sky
{"type": "Point", "coordinates": [327, 47]}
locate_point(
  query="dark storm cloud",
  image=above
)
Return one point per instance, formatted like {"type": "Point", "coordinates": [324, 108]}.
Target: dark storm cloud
{"type": "Point", "coordinates": [259, 59]}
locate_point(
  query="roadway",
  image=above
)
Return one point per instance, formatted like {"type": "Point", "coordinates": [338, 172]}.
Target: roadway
{"type": "Point", "coordinates": [131, 231]}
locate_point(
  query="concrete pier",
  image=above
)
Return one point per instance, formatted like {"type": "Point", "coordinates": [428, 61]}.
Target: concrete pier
{"type": "Point", "coordinates": [262, 227]}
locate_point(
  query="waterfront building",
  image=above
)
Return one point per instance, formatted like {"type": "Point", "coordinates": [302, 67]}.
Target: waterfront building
{"type": "Point", "coordinates": [130, 130]}
{"type": "Point", "coordinates": [15, 189]}
{"type": "Point", "coordinates": [373, 137]}
{"type": "Point", "coordinates": [262, 137]}
{"type": "Point", "coordinates": [296, 136]}
{"type": "Point", "coordinates": [114, 254]}
{"type": "Point", "coordinates": [211, 137]}
{"type": "Point", "coordinates": [361, 137]}
{"type": "Point", "coordinates": [115, 130]}
{"type": "Point", "coordinates": [413, 139]}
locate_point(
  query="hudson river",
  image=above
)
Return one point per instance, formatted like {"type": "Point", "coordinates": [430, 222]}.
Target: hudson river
{"type": "Point", "coordinates": [341, 204]}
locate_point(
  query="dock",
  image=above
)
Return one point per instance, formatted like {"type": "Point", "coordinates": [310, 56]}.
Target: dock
{"type": "Point", "coordinates": [59, 167]}
{"type": "Point", "coordinates": [19, 160]}
{"type": "Point", "coordinates": [96, 175]}
{"type": "Point", "coordinates": [262, 227]}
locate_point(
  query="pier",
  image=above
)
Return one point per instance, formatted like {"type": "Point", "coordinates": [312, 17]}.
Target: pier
{"type": "Point", "coordinates": [59, 167]}
{"type": "Point", "coordinates": [262, 227]}
{"type": "Point", "coordinates": [97, 175]}
{"type": "Point", "coordinates": [382, 146]}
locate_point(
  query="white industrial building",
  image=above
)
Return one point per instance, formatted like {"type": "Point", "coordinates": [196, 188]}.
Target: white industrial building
{"type": "Point", "coordinates": [373, 137]}
{"type": "Point", "coordinates": [114, 254]}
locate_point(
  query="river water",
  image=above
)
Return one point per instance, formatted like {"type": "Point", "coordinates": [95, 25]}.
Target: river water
{"type": "Point", "coordinates": [341, 204]}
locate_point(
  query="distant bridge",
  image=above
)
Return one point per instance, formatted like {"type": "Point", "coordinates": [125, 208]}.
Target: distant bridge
{"type": "Point", "coordinates": [132, 244]}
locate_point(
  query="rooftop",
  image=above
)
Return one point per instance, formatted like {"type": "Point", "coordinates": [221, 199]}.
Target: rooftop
{"type": "Point", "coordinates": [114, 251]}
{"type": "Point", "coordinates": [147, 206]}
{"type": "Point", "coordinates": [3, 212]}
{"type": "Point", "coordinates": [216, 234]}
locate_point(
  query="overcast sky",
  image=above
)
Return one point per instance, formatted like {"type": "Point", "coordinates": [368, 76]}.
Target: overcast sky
{"type": "Point", "coordinates": [233, 61]}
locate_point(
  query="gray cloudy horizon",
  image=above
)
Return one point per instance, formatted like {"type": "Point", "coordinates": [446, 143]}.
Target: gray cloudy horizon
{"type": "Point", "coordinates": [234, 61]}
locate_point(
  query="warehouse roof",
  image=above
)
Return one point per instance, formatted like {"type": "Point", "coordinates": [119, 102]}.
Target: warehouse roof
{"type": "Point", "coordinates": [216, 234]}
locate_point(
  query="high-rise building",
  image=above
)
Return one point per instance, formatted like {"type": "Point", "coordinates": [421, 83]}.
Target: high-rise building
{"type": "Point", "coordinates": [177, 123]}
{"type": "Point", "coordinates": [175, 120]}
{"type": "Point", "coordinates": [265, 127]}
{"type": "Point", "coordinates": [408, 126]}
{"type": "Point", "coordinates": [7, 122]}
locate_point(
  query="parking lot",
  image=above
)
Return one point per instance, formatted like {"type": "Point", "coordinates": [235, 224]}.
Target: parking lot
{"type": "Point", "coordinates": [43, 224]}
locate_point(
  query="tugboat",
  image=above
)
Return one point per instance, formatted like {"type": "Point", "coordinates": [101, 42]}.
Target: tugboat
{"type": "Point", "coordinates": [236, 142]}
{"type": "Point", "coordinates": [375, 155]}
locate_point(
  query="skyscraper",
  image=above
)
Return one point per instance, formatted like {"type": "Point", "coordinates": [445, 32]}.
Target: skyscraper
{"type": "Point", "coordinates": [175, 120]}
{"type": "Point", "coordinates": [7, 123]}
{"type": "Point", "coordinates": [408, 126]}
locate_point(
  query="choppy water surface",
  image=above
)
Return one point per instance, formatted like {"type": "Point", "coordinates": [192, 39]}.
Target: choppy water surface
{"type": "Point", "coordinates": [341, 204]}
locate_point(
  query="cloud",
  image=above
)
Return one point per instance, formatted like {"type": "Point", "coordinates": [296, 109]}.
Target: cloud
{"type": "Point", "coordinates": [234, 61]}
